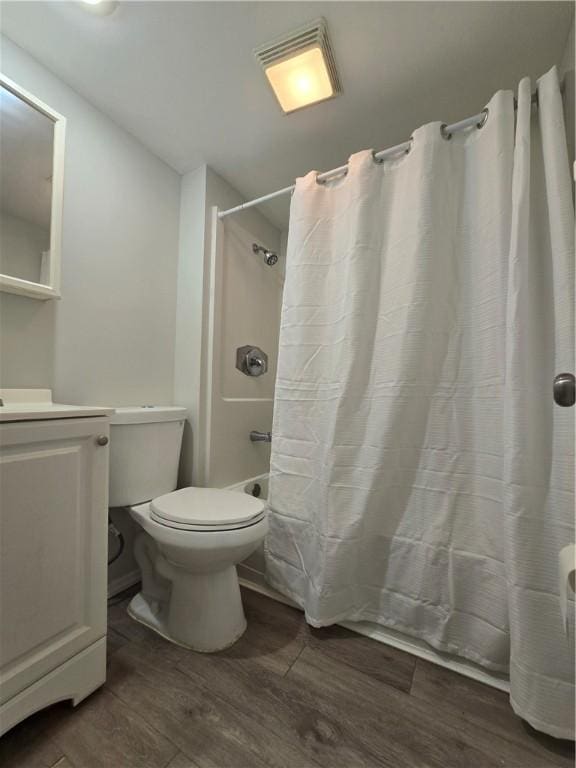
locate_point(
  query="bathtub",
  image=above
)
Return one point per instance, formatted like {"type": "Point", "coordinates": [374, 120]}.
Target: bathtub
{"type": "Point", "coordinates": [251, 571]}
{"type": "Point", "coordinates": [256, 486]}
{"type": "Point", "coordinates": [251, 574]}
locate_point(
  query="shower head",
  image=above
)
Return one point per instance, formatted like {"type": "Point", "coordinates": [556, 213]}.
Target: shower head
{"type": "Point", "coordinates": [270, 258]}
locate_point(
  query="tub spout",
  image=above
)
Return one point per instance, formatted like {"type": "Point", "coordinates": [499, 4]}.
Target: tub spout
{"type": "Point", "coordinates": [260, 437]}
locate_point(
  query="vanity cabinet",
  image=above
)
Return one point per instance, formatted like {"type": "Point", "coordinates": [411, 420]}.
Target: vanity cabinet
{"type": "Point", "coordinates": [53, 562]}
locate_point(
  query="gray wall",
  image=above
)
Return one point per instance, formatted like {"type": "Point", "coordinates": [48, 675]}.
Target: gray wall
{"type": "Point", "coordinates": [110, 339]}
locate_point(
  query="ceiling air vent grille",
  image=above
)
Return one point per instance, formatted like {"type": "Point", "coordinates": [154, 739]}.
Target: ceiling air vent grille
{"type": "Point", "coordinates": [313, 35]}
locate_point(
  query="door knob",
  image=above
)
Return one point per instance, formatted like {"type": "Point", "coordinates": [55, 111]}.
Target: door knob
{"type": "Point", "coordinates": [102, 440]}
{"type": "Point", "coordinates": [565, 390]}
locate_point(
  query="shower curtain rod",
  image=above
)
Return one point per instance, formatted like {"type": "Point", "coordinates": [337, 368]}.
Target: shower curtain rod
{"type": "Point", "coordinates": [447, 131]}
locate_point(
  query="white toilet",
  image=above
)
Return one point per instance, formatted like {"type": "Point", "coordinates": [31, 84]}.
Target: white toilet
{"type": "Point", "coordinates": [192, 538]}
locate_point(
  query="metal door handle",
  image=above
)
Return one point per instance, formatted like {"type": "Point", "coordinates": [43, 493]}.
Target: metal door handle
{"type": "Point", "coordinates": [565, 390]}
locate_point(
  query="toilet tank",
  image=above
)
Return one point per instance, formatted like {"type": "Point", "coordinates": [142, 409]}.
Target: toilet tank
{"type": "Point", "coordinates": [144, 453]}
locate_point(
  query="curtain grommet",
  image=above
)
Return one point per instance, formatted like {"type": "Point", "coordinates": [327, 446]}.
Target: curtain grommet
{"type": "Point", "coordinates": [444, 132]}
{"type": "Point", "coordinates": [410, 145]}
{"type": "Point", "coordinates": [377, 160]}
{"type": "Point", "coordinates": [482, 122]}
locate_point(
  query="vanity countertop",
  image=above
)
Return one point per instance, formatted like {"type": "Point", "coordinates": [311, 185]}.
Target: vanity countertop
{"type": "Point", "coordinates": [35, 404]}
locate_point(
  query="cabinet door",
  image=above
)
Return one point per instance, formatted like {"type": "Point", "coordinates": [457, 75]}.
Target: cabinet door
{"type": "Point", "coordinates": [53, 545]}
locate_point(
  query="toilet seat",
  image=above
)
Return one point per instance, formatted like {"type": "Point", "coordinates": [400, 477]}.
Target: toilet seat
{"type": "Point", "coordinates": [206, 509]}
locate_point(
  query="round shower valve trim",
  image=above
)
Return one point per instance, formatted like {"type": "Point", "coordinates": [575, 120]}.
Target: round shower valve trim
{"type": "Point", "coordinates": [251, 360]}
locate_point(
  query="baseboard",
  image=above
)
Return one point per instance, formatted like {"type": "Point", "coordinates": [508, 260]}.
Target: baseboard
{"type": "Point", "coordinates": [255, 581]}
{"type": "Point", "coordinates": [120, 583]}
{"type": "Point", "coordinates": [75, 679]}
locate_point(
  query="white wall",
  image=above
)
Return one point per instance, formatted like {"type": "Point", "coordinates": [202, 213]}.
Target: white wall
{"type": "Point", "coordinates": [112, 334]}
{"type": "Point", "coordinates": [26, 342]}
{"type": "Point", "coordinates": [189, 319]}
{"type": "Point", "coordinates": [110, 339]}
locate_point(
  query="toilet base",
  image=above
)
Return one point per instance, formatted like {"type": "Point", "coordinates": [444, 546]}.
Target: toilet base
{"type": "Point", "coordinates": [199, 630]}
{"type": "Point", "coordinates": [190, 592]}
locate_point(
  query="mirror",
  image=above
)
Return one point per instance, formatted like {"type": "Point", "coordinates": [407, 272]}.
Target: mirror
{"type": "Point", "coordinates": [31, 184]}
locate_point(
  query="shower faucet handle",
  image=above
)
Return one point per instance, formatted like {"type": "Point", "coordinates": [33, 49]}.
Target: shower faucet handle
{"type": "Point", "coordinates": [255, 364]}
{"type": "Point", "coordinates": [251, 360]}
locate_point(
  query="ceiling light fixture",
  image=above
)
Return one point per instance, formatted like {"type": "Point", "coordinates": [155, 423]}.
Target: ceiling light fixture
{"type": "Point", "coordinates": [300, 67]}
{"type": "Point", "coordinates": [100, 7]}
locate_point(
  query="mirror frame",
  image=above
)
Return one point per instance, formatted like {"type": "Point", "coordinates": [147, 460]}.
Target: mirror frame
{"type": "Point", "coordinates": [50, 289]}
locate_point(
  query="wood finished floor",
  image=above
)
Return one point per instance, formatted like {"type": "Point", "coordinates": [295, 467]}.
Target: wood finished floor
{"type": "Point", "coordinates": [285, 696]}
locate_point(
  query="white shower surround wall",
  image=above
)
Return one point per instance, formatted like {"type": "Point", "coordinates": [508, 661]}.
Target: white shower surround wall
{"type": "Point", "coordinates": [244, 308]}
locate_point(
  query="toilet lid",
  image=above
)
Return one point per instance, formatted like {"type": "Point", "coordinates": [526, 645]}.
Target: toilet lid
{"type": "Point", "coordinates": [207, 507]}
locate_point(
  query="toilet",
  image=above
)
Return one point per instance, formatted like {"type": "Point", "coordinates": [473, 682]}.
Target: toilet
{"type": "Point", "coordinates": [191, 538]}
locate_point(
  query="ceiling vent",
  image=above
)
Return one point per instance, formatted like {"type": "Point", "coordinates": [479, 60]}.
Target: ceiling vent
{"type": "Point", "coordinates": [300, 66]}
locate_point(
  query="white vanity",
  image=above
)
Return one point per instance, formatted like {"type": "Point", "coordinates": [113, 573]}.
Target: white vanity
{"type": "Point", "coordinates": [53, 552]}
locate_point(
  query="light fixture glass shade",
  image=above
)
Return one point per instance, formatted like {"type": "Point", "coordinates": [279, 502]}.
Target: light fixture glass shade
{"type": "Point", "coordinates": [301, 80]}
{"type": "Point", "coordinates": [100, 7]}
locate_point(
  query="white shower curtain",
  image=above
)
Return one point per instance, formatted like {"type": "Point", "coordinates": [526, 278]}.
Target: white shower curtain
{"type": "Point", "coordinates": [422, 477]}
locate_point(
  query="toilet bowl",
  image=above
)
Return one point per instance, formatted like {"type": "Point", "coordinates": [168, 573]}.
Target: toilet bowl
{"type": "Point", "coordinates": [191, 539]}
{"type": "Point", "coordinates": [190, 592]}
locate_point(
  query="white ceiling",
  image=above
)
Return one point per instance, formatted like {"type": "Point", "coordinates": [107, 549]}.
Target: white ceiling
{"type": "Point", "coordinates": [181, 76]}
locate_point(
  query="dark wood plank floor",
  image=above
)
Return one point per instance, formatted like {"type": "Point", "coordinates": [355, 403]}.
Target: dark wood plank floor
{"type": "Point", "coordinates": [285, 696]}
